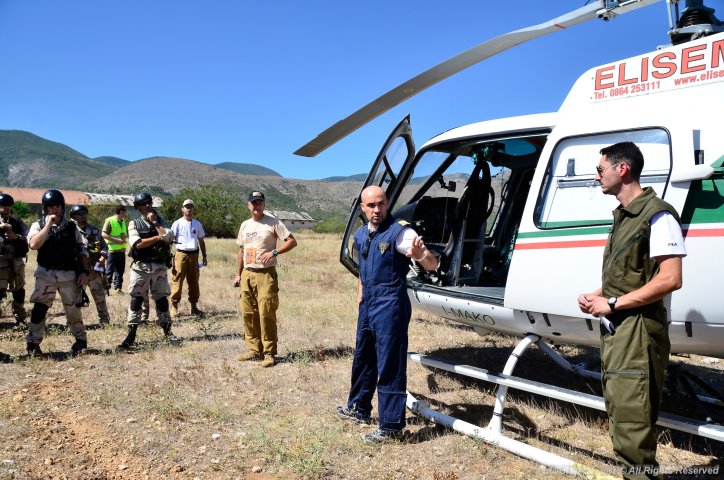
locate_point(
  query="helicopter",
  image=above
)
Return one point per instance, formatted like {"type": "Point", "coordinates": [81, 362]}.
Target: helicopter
{"type": "Point", "coordinates": [512, 210]}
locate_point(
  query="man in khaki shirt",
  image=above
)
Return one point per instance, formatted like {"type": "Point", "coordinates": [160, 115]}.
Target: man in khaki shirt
{"type": "Point", "coordinates": [257, 276]}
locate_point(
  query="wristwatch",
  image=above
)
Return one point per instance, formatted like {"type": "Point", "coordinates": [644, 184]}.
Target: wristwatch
{"type": "Point", "coordinates": [612, 303]}
{"type": "Point", "coordinates": [275, 252]}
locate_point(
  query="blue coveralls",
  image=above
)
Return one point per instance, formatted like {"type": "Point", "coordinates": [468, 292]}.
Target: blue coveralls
{"type": "Point", "coordinates": [380, 357]}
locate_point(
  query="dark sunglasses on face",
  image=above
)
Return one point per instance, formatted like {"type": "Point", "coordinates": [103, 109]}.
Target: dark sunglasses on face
{"type": "Point", "coordinates": [189, 206]}
{"type": "Point", "coordinates": [144, 204]}
{"type": "Point", "coordinates": [600, 169]}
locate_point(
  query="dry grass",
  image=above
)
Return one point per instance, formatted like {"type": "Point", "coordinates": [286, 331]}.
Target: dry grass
{"type": "Point", "coordinates": [193, 411]}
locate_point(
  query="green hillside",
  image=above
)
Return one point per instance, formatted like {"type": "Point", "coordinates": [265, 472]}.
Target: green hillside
{"type": "Point", "coordinates": [247, 169]}
{"type": "Point", "coordinates": [28, 160]}
{"type": "Point", "coordinates": [113, 161]}
{"type": "Point", "coordinates": [360, 177]}
{"type": "Point", "coordinates": [19, 143]}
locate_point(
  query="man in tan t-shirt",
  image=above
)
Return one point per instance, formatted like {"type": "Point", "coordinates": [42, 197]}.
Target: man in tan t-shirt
{"type": "Point", "coordinates": [257, 275]}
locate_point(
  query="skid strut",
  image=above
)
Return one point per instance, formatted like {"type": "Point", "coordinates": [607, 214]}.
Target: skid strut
{"type": "Point", "coordinates": [493, 432]}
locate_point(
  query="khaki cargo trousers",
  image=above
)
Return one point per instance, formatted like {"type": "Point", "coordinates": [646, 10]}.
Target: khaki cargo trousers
{"type": "Point", "coordinates": [633, 363]}
{"type": "Point", "coordinates": [98, 292]}
{"type": "Point", "coordinates": [186, 266]}
{"type": "Point", "coordinates": [259, 304]}
{"type": "Point", "coordinates": [12, 279]}
{"type": "Point", "coordinates": [47, 284]}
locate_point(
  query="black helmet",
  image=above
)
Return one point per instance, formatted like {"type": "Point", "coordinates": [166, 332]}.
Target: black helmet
{"type": "Point", "coordinates": [53, 197]}
{"type": "Point", "coordinates": [6, 200]}
{"type": "Point", "coordinates": [76, 209]}
{"type": "Point", "coordinates": [142, 198]}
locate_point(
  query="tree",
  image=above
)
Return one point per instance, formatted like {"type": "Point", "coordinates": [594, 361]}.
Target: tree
{"type": "Point", "coordinates": [22, 211]}
{"type": "Point", "coordinates": [219, 209]}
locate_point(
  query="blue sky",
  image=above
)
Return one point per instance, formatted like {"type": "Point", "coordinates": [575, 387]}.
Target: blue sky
{"type": "Point", "coordinates": [240, 81]}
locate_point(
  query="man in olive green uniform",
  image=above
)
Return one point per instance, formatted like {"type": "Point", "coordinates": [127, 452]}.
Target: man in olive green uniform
{"type": "Point", "coordinates": [150, 238]}
{"type": "Point", "coordinates": [97, 254]}
{"type": "Point", "coordinates": [62, 268]}
{"type": "Point", "coordinates": [641, 266]}
{"type": "Point", "coordinates": [257, 275]}
{"type": "Point", "coordinates": [13, 251]}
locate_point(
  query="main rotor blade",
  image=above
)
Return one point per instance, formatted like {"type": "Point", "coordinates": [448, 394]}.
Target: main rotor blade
{"type": "Point", "coordinates": [446, 69]}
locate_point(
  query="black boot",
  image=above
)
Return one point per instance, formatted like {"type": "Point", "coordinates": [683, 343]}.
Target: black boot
{"type": "Point", "coordinates": [130, 338]}
{"type": "Point", "coordinates": [34, 349]}
{"type": "Point", "coordinates": [169, 334]}
{"type": "Point", "coordinates": [20, 315]}
{"type": "Point", "coordinates": [78, 347]}
{"type": "Point", "coordinates": [19, 306]}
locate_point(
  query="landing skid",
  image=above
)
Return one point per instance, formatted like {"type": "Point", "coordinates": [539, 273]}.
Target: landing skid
{"type": "Point", "coordinates": [493, 433]}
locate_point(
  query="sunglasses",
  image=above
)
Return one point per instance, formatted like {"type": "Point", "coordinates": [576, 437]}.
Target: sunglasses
{"type": "Point", "coordinates": [189, 206]}
{"type": "Point", "coordinates": [600, 169]}
{"type": "Point", "coordinates": [144, 204]}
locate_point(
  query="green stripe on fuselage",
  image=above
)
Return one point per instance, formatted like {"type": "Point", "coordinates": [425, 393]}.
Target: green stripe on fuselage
{"type": "Point", "coordinates": [566, 232]}
{"type": "Point", "coordinates": [705, 200]}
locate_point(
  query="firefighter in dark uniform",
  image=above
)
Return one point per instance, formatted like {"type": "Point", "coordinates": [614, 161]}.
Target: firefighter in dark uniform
{"type": "Point", "coordinates": [13, 252]}
{"type": "Point", "coordinates": [150, 238]}
{"type": "Point", "coordinates": [385, 248]}
{"type": "Point", "coordinates": [62, 268]}
{"type": "Point", "coordinates": [97, 255]}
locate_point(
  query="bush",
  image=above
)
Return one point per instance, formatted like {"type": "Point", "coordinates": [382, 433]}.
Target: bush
{"type": "Point", "coordinates": [219, 209]}
{"type": "Point", "coordinates": [97, 214]}
{"type": "Point", "coordinates": [330, 225]}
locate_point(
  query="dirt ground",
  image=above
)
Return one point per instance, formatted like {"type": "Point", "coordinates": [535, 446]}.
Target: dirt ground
{"type": "Point", "coordinates": [191, 410]}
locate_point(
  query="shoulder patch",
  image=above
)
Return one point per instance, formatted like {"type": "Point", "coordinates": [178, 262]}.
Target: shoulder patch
{"type": "Point", "coordinates": [404, 223]}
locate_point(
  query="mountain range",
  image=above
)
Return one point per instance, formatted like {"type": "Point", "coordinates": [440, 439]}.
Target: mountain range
{"type": "Point", "coordinates": [27, 160]}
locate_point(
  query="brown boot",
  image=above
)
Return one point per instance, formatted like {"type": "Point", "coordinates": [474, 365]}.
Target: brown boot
{"type": "Point", "coordinates": [269, 361]}
{"type": "Point", "coordinates": [245, 357]}
{"type": "Point", "coordinates": [174, 309]}
{"type": "Point", "coordinates": [195, 310]}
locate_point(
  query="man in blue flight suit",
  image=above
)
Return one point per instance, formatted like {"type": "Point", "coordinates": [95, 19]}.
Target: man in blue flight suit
{"type": "Point", "coordinates": [385, 248]}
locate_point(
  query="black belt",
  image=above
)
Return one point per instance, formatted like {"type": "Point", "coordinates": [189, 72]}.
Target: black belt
{"type": "Point", "coordinates": [188, 252]}
{"type": "Point", "coordinates": [259, 270]}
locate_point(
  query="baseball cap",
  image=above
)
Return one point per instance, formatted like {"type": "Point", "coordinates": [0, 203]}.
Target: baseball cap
{"type": "Point", "coordinates": [253, 196]}
{"type": "Point", "coordinates": [188, 201]}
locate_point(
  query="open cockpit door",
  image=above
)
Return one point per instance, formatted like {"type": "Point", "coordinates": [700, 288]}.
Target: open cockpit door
{"type": "Point", "coordinates": [391, 164]}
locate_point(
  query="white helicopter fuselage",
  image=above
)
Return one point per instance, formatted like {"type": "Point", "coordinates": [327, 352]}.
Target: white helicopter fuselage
{"type": "Point", "coordinates": [531, 259]}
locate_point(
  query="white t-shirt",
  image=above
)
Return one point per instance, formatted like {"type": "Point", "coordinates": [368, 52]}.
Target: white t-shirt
{"type": "Point", "coordinates": [403, 242]}
{"type": "Point", "coordinates": [187, 234]}
{"type": "Point", "coordinates": [666, 237]}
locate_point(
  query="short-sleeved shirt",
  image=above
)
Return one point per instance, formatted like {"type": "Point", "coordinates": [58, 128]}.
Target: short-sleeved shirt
{"type": "Point", "coordinates": [134, 237]}
{"type": "Point", "coordinates": [35, 229]}
{"type": "Point", "coordinates": [258, 238]}
{"type": "Point", "coordinates": [403, 242]}
{"type": "Point", "coordinates": [666, 237]}
{"type": "Point", "coordinates": [187, 234]}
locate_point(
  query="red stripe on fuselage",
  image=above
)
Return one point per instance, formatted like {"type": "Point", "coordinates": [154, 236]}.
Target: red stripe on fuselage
{"type": "Point", "coordinates": [706, 232]}
{"type": "Point", "coordinates": [573, 244]}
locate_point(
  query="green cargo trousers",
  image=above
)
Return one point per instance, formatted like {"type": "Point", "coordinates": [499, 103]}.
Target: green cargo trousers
{"type": "Point", "coordinates": [633, 363]}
